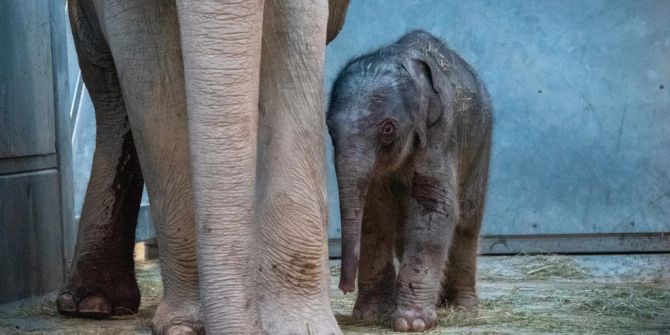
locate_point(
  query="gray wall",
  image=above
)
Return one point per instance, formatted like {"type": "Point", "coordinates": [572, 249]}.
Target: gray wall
{"type": "Point", "coordinates": [36, 226]}
{"type": "Point", "coordinates": [582, 102]}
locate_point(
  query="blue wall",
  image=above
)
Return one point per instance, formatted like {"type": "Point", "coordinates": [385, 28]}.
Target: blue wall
{"type": "Point", "coordinates": [582, 102]}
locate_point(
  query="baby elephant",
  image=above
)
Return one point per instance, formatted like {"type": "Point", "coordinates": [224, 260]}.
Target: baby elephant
{"type": "Point", "coordinates": [411, 125]}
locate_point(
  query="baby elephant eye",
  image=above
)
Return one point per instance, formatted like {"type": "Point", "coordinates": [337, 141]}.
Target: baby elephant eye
{"type": "Point", "coordinates": [387, 132]}
{"type": "Point", "coordinates": [388, 128]}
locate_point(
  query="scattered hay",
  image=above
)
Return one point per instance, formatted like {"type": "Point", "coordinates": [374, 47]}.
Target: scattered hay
{"type": "Point", "coordinates": [519, 295]}
{"type": "Point", "coordinates": [632, 308]}
{"type": "Point", "coordinates": [334, 270]}
{"type": "Point", "coordinates": [40, 316]}
{"type": "Point", "coordinates": [539, 267]}
{"type": "Point", "coordinates": [551, 266]}
{"type": "Point", "coordinates": [351, 326]}
{"type": "Point", "coordinates": [44, 306]}
{"type": "Point", "coordinates": [536, 310]}
{"type": "Point", "coordinates": [640, 301]}
{"type": "Point", "coordinates": [151, 289]}
{"type": "Point", "coordinates": [544, 294]}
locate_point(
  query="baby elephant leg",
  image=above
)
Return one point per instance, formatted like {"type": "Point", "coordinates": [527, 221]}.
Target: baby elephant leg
{"type": "Point", "coordinates": [461, 273]}
{"type": "Point", "coordinates": [459, 287]}
{"type": "Point", "coordinates": [432, 216]}
{"type": "Point", "coordinates": [376, 280]}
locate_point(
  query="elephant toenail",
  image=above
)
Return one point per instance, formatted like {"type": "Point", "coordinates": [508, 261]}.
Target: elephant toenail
{"type": "Point", "coordinates": [95, 306]}
{"type": "Point", "coordinates": [357, 314]}
{"type": "Point", "coordinates": [418, 325]}
{"type": "Point", "coordinates": [65, 304]}
{"type": "Point", "coordinates": [181, 330]}
{"type": "Point", "coordinates": [401, 325]}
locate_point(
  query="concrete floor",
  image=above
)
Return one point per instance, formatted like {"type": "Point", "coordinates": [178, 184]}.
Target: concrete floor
{"type": "Point", "coordinates": [519, 295]}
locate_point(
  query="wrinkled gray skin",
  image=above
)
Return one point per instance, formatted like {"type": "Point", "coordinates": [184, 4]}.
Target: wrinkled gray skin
{"type": "Point", "coordinates": [239, 178]}
{"type": "Point", "coordinates": [411, 125]}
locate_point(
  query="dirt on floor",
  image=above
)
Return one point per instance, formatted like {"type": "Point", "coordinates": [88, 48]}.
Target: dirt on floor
{"type": "Point", "coordinates": [519, 295]}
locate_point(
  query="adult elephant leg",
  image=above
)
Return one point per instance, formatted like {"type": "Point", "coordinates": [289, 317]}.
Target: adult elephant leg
{"type": "Point", "coordinates": [291, 207]}
{"type": "Point", "coordinates": [102, 278]}
{"type": "Point", "coordinates": [144, 39]}
{"type": "Point", "coordinates": [221, 42]}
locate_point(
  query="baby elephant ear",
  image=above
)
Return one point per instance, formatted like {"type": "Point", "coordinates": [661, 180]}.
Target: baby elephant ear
{"type": "Point", "coordinates": [432, 85]}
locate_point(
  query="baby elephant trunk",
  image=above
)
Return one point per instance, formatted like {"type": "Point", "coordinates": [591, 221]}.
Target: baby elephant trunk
{"type": "Point", "coordinates": [351, 202]}
{"type": "Point", "coordinates": [353, 187]}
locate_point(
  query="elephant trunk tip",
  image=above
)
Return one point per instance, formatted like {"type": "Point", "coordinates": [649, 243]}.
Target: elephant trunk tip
{"type": "Point", "coordinates": [348, 274]}
{"type": "Point", "coordinates": [347, 287]}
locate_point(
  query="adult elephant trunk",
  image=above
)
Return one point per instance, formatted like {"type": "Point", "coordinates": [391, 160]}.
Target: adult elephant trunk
{"type": "Point", "coordinates": [353, 180]}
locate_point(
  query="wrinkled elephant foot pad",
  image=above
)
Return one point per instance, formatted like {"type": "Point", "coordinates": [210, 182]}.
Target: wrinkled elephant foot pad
{"type": "Point", "coordinates": [413, 320]}
{"type": "Point", "coordinates": [94, 306]}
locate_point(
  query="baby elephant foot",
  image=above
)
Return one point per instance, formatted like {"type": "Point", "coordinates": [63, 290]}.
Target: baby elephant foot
{"type": "Point", "coordinates": [462, 299]}
{"type": "Point", "coordinates": [467, 304]}
{"type": "Point", "coordinates": [413, 319]}
{"type": "Point", "coordinates": [368, 308]}
{"type": "Point", "coordinates": [177, 319]}
{"type": "Point", "coordinates": [89, 296]}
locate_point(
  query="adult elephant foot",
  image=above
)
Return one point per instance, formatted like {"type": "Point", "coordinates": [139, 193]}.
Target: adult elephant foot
{"type": "Point", "coordinates": [308, 325]}
{"type": "Point", "coordinates": [413, 318]}
{"type": "Point", "coordinates": [287, 317]}
{"type": "Point", "coordinates": [98, 292]}
{"type": "Point", "coordinates": [177, 318]}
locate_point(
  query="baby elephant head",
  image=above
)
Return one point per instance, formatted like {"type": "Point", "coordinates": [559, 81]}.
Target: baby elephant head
{"type": "Point", "coordinates": [381, 108]}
